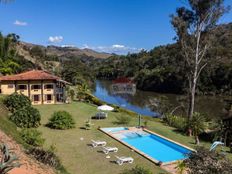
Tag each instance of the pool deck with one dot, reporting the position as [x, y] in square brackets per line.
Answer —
[134, 129]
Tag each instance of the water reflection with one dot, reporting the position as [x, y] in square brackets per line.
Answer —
[151, 103]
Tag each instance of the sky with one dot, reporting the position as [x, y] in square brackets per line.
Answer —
[115, 26]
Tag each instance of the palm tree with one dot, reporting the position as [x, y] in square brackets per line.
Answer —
[197, 124]
[8, 54]
[180, 168]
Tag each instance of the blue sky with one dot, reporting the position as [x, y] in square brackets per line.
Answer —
[104, 25]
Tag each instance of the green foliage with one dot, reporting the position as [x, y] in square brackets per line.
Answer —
[145, 123]
[45, 156]
[88, 124]
[8, 161]
[176, 121]
[16, 101]
[162, 69]
[48, 157]
[181, 167]
[76, 72]
[137, 170]
[26, 117]
[32, 137]
[61, 120]
[197, 123]
[8, 64]
[205, 161]
[123, 119]
[92, 99]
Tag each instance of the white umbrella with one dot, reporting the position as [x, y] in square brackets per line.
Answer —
[105, 108]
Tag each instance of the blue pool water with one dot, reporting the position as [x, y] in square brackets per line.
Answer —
[115, 129]
[154, 146]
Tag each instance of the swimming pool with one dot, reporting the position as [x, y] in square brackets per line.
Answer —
[150, 145]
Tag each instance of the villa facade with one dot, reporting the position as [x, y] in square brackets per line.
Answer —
[40, 86]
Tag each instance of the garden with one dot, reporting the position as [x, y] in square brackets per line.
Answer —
[57, 135]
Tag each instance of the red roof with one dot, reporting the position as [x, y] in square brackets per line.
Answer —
[30, 75]
[122, 80]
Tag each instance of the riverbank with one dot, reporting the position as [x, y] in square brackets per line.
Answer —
[150, 103]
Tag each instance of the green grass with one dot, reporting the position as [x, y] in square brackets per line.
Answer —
[78, 157]
[9, 127]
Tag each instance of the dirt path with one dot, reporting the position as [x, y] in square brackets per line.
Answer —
[29, 165]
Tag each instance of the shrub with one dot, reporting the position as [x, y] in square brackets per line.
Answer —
[45, 156]
[8, 160]
[92, 99]
[48, 157]
[16, 101]
[122, 119]
[137, 170]
[26, 117]
[176, 121]
[32, 137]
[205, 161]
[61, 120]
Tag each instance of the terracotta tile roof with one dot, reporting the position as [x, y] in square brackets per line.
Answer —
[30, 75]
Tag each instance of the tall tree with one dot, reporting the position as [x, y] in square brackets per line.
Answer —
[8, 65]
[193, 26]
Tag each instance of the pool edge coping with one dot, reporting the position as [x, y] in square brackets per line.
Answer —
[145, 155]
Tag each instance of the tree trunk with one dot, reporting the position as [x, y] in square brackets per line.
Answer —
[191, 106]
[193, 82]
[197, 141]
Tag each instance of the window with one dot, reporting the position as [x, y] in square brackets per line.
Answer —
[35, 87]
[22, 87]
[48, 97]
[36, 98]
[10, 86]
[48, 86]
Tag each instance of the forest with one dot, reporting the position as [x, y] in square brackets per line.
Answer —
[161, 70]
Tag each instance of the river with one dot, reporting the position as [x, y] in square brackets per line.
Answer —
[151, 103]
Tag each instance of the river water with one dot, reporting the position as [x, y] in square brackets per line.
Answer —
[151, 103]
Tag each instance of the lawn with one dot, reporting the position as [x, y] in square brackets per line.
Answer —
[76, 154]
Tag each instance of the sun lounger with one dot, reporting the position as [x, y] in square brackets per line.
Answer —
[123, 159]
[215, 144]
[98, 143]
[106, 150]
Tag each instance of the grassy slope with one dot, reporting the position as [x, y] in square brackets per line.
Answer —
[78, 157]
[7, 126]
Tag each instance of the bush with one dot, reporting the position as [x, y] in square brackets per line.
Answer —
[48, 157]
[137, 170]
[205, 161]
[32, 137]
[16, 101]
[92, 99]
[122, 119]
[176, 121]
[45, 156]
[61, 120]
[26, 117]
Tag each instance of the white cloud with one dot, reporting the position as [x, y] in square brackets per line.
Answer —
[68, 46]
[55, 39]
[20, 23]
[116, 48]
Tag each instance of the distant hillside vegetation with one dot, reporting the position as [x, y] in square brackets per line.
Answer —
[160, 69]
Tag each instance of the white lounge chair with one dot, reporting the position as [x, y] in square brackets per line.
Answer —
[123, 159]
[106, 150]
[215, 144]
[98, 143]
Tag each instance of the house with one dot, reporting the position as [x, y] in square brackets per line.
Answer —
[40, 86]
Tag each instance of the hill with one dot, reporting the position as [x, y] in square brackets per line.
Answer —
[160, 69]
